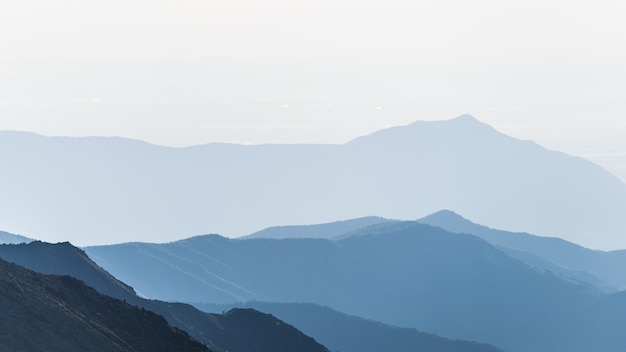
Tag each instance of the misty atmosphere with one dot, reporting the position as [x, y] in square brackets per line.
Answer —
[312, 176]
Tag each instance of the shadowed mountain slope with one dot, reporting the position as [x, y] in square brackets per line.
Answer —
[402, 273]
[248, 330]
[214, 330]
[603, 269]
[141, 192]
[65, 259]
[59, 313]
[237, 330]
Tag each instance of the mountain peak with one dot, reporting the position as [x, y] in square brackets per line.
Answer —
[449, 220]
[465, 117]
[445, 214]
[462, 121]
[461, 130]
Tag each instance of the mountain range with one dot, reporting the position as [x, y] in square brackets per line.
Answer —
[439, 283]
[349, 333]
[603, 269]
[238, 330]
[405, 274]
[60, 313]
[109, 190]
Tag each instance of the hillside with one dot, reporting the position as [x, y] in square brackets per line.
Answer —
[65, 259]
[136, 191]
[600, 268]
[405, 274]
[231, 331]
[248, 330]
[59, 313]
[347, 333]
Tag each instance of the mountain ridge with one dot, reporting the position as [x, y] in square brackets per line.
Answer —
[326, 230]
[405, 274]
[145, 193]
[9, 238]
[230, 330]
[60, 313]
[221, 332]
[608, 267]
[348, 333]
[467, 118]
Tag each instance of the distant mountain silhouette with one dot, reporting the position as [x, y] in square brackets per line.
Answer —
[329, 230]
[346, 333]
[107, 190]
[9, 238]
[602, 269]
[59, 313]
[236, 331]
[401, 273]
[605, 270]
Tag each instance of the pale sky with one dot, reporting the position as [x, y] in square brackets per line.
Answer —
[189, 71]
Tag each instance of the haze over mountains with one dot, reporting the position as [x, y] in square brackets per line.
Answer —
[554, 298]
[605, 270]
[348, 333]
[395, 279]
[239, 330]
[108, 190]
[401, 273]
[60, 313]
[329, 230]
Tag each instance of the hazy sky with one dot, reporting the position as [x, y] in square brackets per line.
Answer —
[190, 71]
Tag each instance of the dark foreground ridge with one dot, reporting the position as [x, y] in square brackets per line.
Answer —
[60, 313]
[239, 330]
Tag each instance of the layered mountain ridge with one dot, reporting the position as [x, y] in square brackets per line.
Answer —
[349, 333]
[60, 313]
[604, 269]
[237, 330]
[405, 274]
[141, 192]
